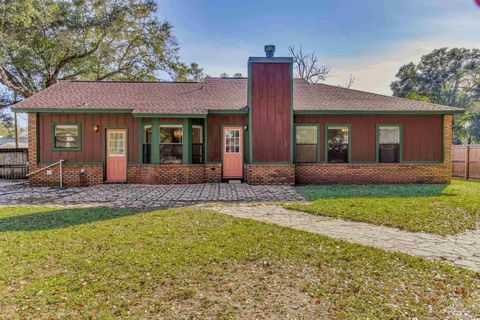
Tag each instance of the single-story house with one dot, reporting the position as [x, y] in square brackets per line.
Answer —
[268, 128]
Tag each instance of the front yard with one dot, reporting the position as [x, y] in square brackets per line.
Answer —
[440, 209]
[181, 263]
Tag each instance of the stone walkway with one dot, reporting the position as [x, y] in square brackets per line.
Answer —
[145, 196]
[461, 249]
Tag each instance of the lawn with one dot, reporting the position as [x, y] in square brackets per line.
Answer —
[440, 209]
[190, 263]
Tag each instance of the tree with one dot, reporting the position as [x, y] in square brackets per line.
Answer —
[349, 83]
[450, 77]
[237, 75]
[6, 119]
[44, 41]
[307, 66]
[190, 73]
[223, 75]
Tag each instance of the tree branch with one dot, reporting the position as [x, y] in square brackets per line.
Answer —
[9, 80]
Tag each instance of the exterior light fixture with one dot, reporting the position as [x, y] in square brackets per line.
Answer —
[96, 128]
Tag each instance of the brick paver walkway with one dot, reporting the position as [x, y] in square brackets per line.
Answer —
[146, 196]
[461, 249]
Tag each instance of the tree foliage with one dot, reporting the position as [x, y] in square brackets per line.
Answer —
[44, 41]
[449, 77]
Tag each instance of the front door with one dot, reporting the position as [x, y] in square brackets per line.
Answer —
[116, 155]
[232, 152]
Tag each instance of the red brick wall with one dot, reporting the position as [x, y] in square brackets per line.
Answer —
[271, 174]
[324, 173]
[174, 173]
[371, 173]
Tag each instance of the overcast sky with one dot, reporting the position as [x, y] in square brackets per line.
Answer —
[370, 39]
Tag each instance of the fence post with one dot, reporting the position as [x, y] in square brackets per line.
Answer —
[467, 161]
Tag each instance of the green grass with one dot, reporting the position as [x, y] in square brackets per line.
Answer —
[185, 263]
[440, 209]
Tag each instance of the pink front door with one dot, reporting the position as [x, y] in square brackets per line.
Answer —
[232, 152]
[116, 155]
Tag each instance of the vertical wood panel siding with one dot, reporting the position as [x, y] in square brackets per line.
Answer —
[271, 112]
[422, 134]
[92, 143]
[214, 134]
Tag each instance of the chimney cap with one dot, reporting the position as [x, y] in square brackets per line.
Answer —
[269, 50]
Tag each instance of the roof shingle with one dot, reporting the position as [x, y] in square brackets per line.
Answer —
[213, 94]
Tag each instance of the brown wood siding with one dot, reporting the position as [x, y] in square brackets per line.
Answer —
[92, 142]
[422, 135]
[214, 134]
[271, 112]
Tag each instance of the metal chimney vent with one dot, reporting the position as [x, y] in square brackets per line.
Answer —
[269, 50]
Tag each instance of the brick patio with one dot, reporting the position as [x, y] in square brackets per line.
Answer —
[145, 196]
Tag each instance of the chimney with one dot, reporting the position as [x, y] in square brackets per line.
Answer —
[270, 105]
[269, 50]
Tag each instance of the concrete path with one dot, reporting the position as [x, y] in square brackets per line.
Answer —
[461, 249]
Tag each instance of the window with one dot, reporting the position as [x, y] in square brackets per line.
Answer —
[66, 136]
[116, 144]
[338, 137]
[306, 143]
[147, 144]
[171, 143]
[197, 144]
[232, 141]
[389, 143]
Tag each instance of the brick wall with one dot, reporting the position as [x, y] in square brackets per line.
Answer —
[270, 174]
[174, 173]
[381, 173]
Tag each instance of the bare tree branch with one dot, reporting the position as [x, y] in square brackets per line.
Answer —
[349, 83]
[307, 65]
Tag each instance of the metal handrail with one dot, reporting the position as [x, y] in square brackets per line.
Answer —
[59, 162]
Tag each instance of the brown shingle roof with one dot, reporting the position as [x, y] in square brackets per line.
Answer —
[213, 94]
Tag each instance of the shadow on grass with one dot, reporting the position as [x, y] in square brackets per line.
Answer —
[54, 219]
[380, 190]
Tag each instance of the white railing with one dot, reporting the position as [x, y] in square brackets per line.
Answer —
[59, 162]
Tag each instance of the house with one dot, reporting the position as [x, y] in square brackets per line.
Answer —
[268, 128]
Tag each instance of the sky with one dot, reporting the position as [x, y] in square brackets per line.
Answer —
[369, 39]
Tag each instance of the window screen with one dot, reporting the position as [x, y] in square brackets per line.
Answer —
[306, 147]
[171, 143]
[67, 136]
[197, 144]
[389, 144]
[147, 144]
[337, 144]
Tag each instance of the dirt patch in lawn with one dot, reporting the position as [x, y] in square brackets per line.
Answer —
[252, 290]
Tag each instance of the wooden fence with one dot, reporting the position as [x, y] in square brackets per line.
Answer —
[466, 161]
[13, 163]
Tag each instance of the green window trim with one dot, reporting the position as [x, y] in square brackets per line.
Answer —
[79, 128]
[377, 141]
[318, 159]
[325, 139]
